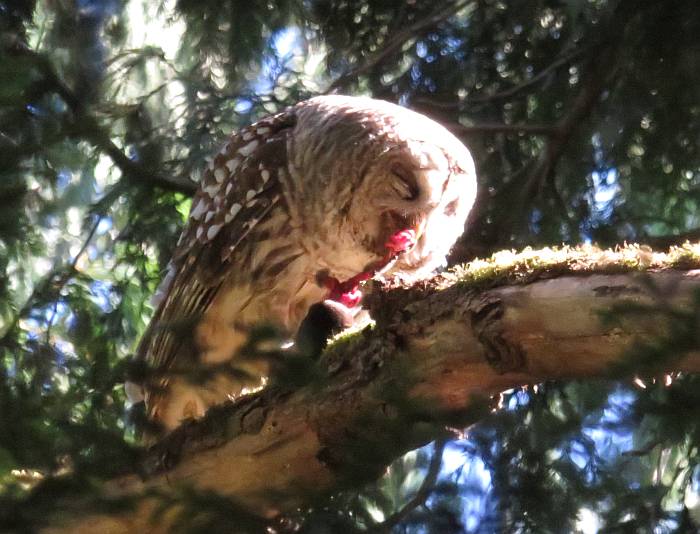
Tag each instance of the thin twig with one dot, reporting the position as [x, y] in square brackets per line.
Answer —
[69, 270]
[91, 131]
[597, 79]
[512, 91]
[397, 41]
[535, 129]
[55, 280]
[506, 93]
[426, 488]
[644, 450]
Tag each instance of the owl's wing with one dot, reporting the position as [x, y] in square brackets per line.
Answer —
[238, 190]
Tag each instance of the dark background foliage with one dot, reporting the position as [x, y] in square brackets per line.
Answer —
[584, 120]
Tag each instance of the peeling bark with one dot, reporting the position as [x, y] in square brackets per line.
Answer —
[437, 353]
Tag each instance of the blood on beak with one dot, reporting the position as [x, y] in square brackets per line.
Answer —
[401, 241]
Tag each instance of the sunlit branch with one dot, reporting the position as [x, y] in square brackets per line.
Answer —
[643, 451]
[446, 347]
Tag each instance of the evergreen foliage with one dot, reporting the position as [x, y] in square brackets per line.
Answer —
[584, 120]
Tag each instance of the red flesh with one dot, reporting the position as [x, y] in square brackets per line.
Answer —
[348, 292]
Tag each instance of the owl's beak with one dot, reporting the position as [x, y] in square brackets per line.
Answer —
[420, 228]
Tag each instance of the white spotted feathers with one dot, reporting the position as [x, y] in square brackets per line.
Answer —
[238, 188]
[294, 195]
[238, 185]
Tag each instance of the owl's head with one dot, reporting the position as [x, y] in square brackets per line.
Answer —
[384, 170]
[425, 185]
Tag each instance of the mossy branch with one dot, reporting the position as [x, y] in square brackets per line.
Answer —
[438, 353]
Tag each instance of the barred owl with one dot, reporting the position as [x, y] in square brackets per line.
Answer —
[299, 207]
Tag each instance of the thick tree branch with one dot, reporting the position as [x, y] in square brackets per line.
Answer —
[438, 351]
[603, 64]
[580, 108]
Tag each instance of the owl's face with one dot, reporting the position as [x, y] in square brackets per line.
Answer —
[417, 187]
[370, 171]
